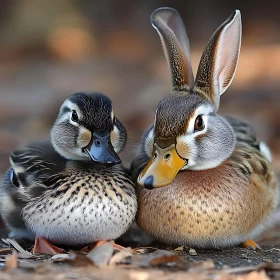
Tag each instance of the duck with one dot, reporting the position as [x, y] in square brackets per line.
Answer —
[72, 189]
[203, 180]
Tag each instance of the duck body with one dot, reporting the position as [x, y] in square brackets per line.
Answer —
[213, 208]
[204, 180]
[69, 201]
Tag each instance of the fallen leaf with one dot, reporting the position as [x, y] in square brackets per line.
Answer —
[165, 260]
[11, 261]
[101, 255]
[192, 252]
[60, 257]
[180, 248]
[143, 250]
[75, 259]
[120, 256]
[12, 242]
[25, 255]
[159, 258]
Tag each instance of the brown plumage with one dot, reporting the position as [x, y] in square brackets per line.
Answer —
[215, 207]
[208, 181]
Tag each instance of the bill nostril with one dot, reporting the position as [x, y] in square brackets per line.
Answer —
[167, 156]
[97, 143]
[148, 184]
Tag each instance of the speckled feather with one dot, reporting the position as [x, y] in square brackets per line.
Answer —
[72, 202]
[216, 207]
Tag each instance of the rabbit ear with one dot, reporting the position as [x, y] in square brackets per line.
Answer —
[219, 61]
[173, 36]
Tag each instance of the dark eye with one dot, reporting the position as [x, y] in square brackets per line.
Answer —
[198, 124]
[74, 117]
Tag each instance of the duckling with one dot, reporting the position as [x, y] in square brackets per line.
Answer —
[205, 180]
[71, 190]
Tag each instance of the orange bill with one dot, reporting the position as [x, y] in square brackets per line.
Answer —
[162, 168]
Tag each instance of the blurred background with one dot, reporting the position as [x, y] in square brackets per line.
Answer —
[51, 49]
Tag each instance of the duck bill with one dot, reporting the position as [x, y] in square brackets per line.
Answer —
[162, 168]
[101, 150]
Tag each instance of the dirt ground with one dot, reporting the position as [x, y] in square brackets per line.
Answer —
[149, 261]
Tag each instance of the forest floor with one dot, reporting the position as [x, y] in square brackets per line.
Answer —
[153, 261]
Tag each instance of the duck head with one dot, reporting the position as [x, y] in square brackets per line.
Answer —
[86, 129]
[188, 133]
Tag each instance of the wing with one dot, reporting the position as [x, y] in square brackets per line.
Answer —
[244, 132]
[35, 168]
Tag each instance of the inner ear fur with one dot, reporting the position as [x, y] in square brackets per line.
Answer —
[218, 63]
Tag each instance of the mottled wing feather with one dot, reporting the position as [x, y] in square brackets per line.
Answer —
[244, 132]
[249, 158]
[36, 165]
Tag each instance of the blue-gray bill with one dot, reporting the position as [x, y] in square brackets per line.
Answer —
[102, 151]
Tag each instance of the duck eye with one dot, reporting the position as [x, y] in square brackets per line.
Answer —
[74, 117]
[198, 124]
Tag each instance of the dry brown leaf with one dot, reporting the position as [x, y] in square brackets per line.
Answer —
[180, 248]
[11, 261]
[76, 259]
[172, 260]
[159, 258]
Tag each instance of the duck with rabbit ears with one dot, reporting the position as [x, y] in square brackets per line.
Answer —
[207, 180]
[71, 190]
